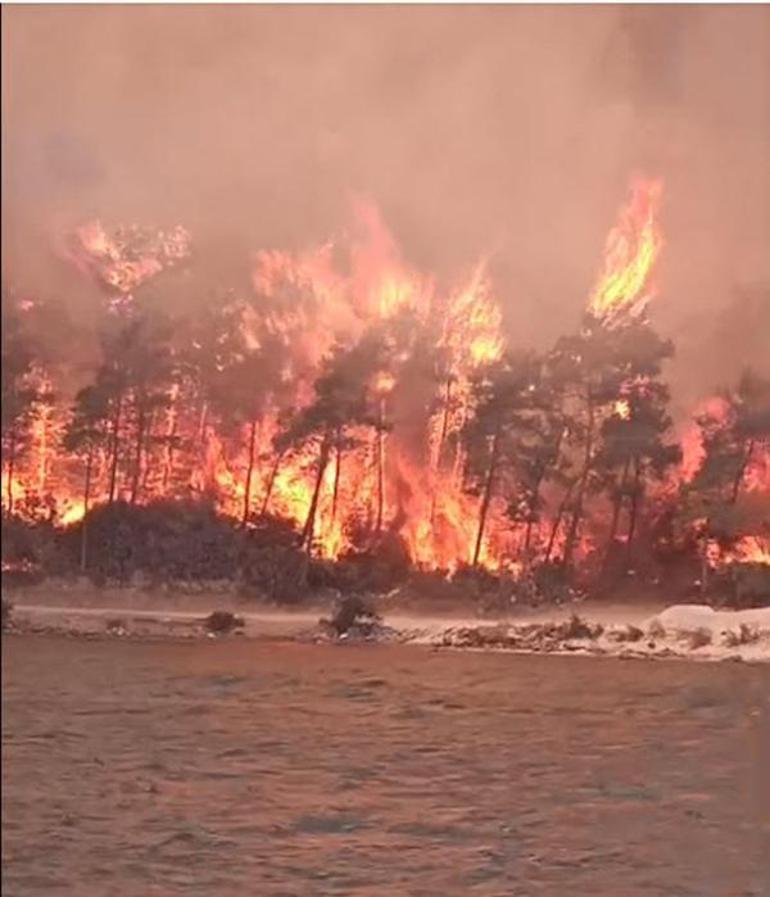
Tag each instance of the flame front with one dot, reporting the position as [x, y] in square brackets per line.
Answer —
[401, 468]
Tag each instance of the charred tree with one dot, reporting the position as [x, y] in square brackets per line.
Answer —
[307, 530]
[115, 448]
[249, 473]
[487, 494]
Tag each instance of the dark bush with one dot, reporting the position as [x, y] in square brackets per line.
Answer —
[27, 545]
[221, 622]
[165, 540]
[380, 567]
[750, 585]
[352, 611]
[578, 628]
[741, 586]
[551, 583]
[272, 564]
[436, 586]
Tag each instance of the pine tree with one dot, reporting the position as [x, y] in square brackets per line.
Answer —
[22, 394]
[345, 396]
[716, 503]
[87, 434]
[505, 401]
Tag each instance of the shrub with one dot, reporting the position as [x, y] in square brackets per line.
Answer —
[272, 563]
[749, 585]
[577, 627]
[165, 540]
[26, 546]
[378, 568]
[221, 622]
[352, 611]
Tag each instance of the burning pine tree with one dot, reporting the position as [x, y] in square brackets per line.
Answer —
[346, 396]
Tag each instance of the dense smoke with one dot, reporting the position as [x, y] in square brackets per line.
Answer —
[509, 131]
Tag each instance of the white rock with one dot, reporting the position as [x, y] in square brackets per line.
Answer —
[689, 617]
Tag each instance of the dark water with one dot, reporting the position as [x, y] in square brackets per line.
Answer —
[241, 768]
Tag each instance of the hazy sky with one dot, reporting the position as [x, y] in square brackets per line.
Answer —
[506, 129]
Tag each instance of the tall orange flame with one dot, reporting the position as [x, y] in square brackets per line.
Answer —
[632, 247]
[309, 302]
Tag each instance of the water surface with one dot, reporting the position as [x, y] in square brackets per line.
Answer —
[286, 770]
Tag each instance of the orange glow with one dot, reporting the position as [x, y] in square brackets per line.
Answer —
[631, 250]
[72, 514]
[126, 258]
[753, 549]
[16, 485]
[622, 409]
[333, 306]
[384, 383]
[378, 477]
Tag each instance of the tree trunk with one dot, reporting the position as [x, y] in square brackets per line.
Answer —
[202, 421]
[534, 502]
[617, 503]
[381, 469]
[536, 496]
[636, 497]
[11, 468]
[249, 473]
[271, 483]
[144, 479]
[487, 495]
[307, 531]
[141, 425]
[569, 545]
[84, 523]
[444, 421]
[440, 449]
[169, 466]
[115, 448]
[704, 564]
[337, 467]
[557, 523]
[741, 472]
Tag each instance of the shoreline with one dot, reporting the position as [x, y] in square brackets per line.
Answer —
[683, 632]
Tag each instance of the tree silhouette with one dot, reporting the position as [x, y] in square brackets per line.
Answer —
[505, 400]
[22, 392]
[733, 441]
[87, 433]
[345, 395]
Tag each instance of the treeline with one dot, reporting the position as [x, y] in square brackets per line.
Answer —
[562, 464]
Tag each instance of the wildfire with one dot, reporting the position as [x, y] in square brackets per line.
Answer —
[630, 253]
[73, 513]
[622, 409]
[747, 550]
[753, 549]
[473, 322]
[434, 516]
[384, 383]
[126, 258]
[378, 475]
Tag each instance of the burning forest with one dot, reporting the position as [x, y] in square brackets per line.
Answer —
[347, 412]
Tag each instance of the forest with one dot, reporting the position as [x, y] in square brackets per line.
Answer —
[345, 423]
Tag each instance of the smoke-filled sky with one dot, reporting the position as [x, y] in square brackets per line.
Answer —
[511, 131]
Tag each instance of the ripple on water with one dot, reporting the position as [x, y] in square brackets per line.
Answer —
[230, 769]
